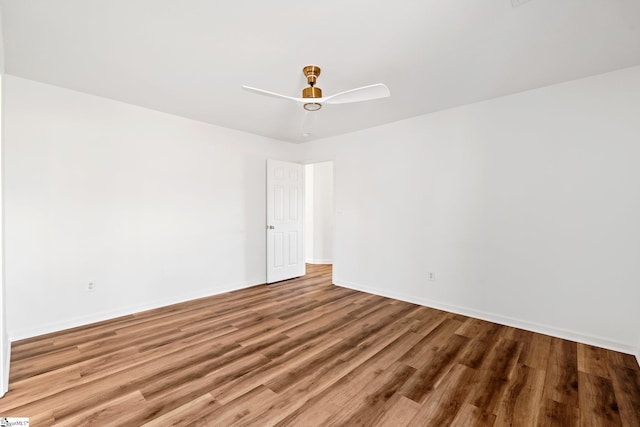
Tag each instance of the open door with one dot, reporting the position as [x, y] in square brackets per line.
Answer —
[285, 220]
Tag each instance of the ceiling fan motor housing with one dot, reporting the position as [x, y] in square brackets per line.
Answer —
[312, 92]
[311, 72]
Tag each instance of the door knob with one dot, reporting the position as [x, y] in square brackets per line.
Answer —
[270, 227]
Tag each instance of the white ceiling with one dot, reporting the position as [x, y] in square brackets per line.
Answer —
[190, 57]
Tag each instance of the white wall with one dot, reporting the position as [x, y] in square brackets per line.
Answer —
[5, 345]
[319, 213]
[526, 208]
[4, 340]
[323, 213]
[151, 208]
[308, 213]
[1, 44]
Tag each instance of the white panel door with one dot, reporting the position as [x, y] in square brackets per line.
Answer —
[285, 222]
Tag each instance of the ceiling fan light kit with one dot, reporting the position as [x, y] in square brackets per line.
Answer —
[312, 99]
[312, 106]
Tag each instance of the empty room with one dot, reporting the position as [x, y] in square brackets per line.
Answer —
[413, 213]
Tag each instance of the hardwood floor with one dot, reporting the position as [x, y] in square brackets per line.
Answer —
[303, 353]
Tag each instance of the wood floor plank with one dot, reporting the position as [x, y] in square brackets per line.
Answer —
[399, 411]
[39, 387]
[304, 352]
[44, 363]
[347, 382]
[561, 382]
[176, 400]
[113, 412]
[626, 384]
[268, 372]
[319, 322]
[434, 369]
[350, 340]
[252, 403]
[383, 348]
[195, 379]
[442, 406]
[367, 408]
[597, 402]
[520, 404]
[555, 414]
[593, 360]
[536, 353]
[427, 347]
[535, 347]
[484, 337]
[622, 359]
[471, 416]
[188, 414]
[494, 375]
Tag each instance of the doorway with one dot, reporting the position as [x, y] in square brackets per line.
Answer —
[319, 213]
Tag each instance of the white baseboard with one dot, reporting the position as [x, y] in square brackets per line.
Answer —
[4, 387]
[20, 334]
[497, 318]
[319, 261]
[638, 355]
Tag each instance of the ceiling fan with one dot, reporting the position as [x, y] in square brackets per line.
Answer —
[312, 99]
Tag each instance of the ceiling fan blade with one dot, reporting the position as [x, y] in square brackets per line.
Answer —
[271, 94]
[365, 93]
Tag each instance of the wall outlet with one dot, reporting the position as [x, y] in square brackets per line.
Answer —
[432, 276]
[91, 287]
